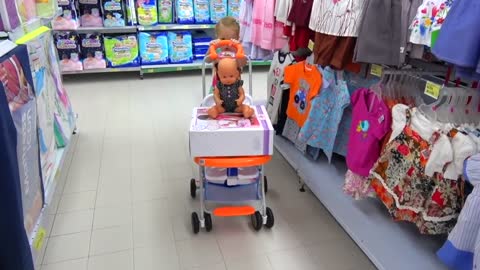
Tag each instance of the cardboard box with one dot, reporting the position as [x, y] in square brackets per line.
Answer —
[230, 134]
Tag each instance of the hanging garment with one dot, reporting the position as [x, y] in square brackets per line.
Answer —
[334, 51]
[357, 186]
[282, 9]
[462, 249]
[379, 36]
[320, 129]
[409, 11]
[371, 121]
[464, 53]
[299, 37]
[300, 13]
[290, 131]
[430, 16]
[337, 17]
[305, 82]
[266, 31]
[275, 81]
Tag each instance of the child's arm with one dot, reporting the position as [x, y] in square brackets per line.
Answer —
[216, 96]
[241, 96]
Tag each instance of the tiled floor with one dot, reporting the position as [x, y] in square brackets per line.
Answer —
[125, 204]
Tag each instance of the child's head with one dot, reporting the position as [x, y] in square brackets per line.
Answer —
[227, 28]
[227, 71]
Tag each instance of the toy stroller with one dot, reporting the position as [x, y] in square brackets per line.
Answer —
[237, 183]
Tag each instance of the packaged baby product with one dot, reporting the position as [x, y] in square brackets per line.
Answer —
[121, 51]
[90, 15]
[180, 47]
[202, 11]
[218, 10]
[113, 13]
[131, 13]
[165, 11]
[153, 48]
[234, 8]
[147, 12]
[46, 8]
[92, 51]
[184, 11]
[68, 47]
[68, 20]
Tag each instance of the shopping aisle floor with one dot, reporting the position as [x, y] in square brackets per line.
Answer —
[126, 205]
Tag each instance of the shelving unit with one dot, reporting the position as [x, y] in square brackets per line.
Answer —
[389, 245]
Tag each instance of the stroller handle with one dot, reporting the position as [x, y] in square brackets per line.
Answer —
[239, 54]
[204, 83]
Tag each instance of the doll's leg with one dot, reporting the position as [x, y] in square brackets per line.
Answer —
[214, 111]
[245, 110]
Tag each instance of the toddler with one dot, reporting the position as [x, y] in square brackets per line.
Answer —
[226, 29]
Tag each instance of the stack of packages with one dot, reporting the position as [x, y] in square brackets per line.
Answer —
[201, 43]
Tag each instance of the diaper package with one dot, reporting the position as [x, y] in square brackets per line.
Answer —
[113, 13]
[180, 47]
[218, 10]
[234, 8]
[165, 11]
[68, 47]
[184, 11]
[92, 51]
[202, 11]
[147, 12]
[90, 14]
[121, 50]
[153, 48]
[68, 20]
[131, 13]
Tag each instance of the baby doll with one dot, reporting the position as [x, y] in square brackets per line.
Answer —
[228, 93]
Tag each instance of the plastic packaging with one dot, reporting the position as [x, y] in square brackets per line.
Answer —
[90, 14]
[68, 47]
[92, 51]
[153, 48]
[165, 11]
[184, 11]
[147, 12]
[202, 11]
[113, 13]
[180, 47]
[218, 10]
[121, 50]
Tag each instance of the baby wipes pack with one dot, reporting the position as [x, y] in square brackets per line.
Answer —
[121, 51]
[153, 48]
[147, 12]
[180, 47]
[218, 10]
[184, 11]
[202, 11]
[165, 11]
[113, 13]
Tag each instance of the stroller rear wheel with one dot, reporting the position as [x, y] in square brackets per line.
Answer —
[257, 221]
[193, 188]
[270, 218]
[208, 221]
[195, 223]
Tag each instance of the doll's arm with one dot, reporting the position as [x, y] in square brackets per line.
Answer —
[241, 96]
[216, 96]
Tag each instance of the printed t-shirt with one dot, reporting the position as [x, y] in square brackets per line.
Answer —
[367, 129]
[305, 82]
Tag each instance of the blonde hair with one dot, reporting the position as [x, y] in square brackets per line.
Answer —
[229, 22]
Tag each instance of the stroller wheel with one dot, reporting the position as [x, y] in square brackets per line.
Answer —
[195, 223]
[265, 182]
[257, 221]
[193, 188]
[270, 218]
[208, 222]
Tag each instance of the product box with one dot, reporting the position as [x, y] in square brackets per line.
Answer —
[230, 134]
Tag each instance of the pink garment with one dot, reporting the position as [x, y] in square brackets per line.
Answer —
[371, 121]
[266, 31]
[358, 186]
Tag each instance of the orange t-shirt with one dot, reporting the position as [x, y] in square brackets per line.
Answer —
[305, 83]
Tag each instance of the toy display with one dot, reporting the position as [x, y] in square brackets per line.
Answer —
[68, 20]
[92, 51]
[121, 51]
[90, 15]
[147, 12]
[68, 47]
[153, 48]
[113, 13]
[184, 11]
[229, 94]
[218, 10]
[180, 47]
[165, 11]
[202, 11]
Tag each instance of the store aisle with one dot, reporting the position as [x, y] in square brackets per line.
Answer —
[125, 204]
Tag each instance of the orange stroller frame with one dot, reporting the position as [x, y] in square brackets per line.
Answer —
[235, 200]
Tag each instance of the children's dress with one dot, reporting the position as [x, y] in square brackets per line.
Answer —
[229, 94]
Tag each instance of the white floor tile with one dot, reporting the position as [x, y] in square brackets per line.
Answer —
[149, 190]
[198, 252]
[73, 222]
[110, 240]
[259, 262]
[80, 264]
[67, 247]
[77, 201]
[114, 261]
[112, 216]
[293, 259]
[151, 258]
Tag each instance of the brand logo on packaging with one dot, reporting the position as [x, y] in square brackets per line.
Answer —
[66, 44]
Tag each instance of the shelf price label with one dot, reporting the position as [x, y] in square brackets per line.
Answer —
[39, 238]
[376, 70]
[432, 90]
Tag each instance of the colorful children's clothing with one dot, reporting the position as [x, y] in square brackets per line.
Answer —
[357, 186]
[290, 131]
[266, 31]
[371, 121]
[275, 81]
[305, 81]
[229, 94]
[430, 17]
[320, 129]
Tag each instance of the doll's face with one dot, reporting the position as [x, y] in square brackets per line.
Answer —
[228, 71]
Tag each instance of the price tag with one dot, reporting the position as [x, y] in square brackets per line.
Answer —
[311, 44]
[376, 70]
[179, 68]
[141, 28]
[432, 89]
[38, 241]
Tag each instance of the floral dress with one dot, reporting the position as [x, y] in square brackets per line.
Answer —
[399, 179]
[429, 19]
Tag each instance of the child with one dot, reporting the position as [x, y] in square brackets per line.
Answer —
[226, 29]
